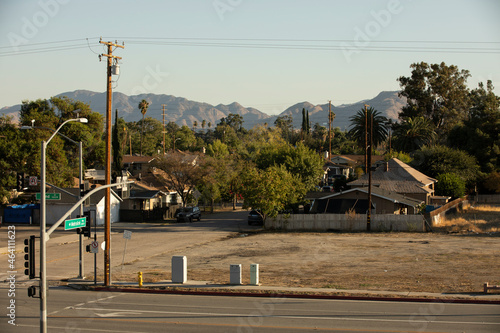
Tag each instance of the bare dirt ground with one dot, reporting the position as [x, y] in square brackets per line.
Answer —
[456, 259]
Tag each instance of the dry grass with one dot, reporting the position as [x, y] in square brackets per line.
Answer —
[478, 219]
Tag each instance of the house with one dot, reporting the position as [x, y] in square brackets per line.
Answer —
[149, 199]
[398, 177]
[345, 165]
[137, 165]
[355, 200]
[57, 208]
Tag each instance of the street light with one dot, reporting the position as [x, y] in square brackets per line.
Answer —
[43, 222]
[80, 179]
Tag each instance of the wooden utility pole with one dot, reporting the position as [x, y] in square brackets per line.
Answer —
[369, 216]
[163, 109]
[330, 130]
[107, 169]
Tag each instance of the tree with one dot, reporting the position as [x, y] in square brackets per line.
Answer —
[117, 149]
[492, 182]
[300, 161]
[479, 135]
[358, 121]
[285, 124]
[437, 160]
[437, 92]
[182, 172]
[151, 139]
[143, 107]
[450, 184]
[413, 133]
[271, 191]
[235, 121]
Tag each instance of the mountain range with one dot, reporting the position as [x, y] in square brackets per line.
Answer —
[186, 112]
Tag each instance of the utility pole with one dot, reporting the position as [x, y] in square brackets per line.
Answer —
[369, 169]
[366, 138]
[107, 171]
[163, 109]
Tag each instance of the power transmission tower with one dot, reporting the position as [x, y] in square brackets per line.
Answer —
[107, 170]
[331, 117]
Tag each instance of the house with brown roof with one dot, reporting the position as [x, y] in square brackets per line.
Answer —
[137, 165]
[398, 177]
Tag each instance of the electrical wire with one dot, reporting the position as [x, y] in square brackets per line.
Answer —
[444, 46]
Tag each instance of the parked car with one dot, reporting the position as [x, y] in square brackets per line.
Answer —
[188, 214]
[255, 217]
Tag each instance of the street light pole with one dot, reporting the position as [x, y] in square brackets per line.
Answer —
[43, 223]
[80, 181]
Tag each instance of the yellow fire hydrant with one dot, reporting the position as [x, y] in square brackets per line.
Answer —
[139, 278]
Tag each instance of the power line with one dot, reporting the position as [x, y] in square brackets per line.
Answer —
[445, 46]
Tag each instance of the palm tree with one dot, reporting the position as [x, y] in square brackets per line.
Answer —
[413, 133]
[143, 106]
[358, 121]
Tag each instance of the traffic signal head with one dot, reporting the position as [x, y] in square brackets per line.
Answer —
[29, 256]
[20, 181]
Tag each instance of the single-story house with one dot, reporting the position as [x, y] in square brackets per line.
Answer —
[356, 200]
[398, 177]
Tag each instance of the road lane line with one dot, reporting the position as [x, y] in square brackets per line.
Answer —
[293, 317]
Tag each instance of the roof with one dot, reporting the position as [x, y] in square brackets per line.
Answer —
[396, 176]
[145, 194]
[378, 192]
[137, 159]
[357, 159]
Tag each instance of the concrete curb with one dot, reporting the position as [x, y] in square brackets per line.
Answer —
[284, 294]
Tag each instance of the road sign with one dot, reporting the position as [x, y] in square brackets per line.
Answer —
[75, 223]
[49, 196]
[94, 247]
[33, 181]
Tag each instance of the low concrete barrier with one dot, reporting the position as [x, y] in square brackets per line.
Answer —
[344, 222]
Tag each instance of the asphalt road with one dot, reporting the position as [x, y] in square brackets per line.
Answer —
[147, 240]
[87, 311]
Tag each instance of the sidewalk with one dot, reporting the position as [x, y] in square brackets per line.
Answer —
[206, 288]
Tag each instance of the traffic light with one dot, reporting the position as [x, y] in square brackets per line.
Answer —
[20, 181]
[29, 249]
[85, 230]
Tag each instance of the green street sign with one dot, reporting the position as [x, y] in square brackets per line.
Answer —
[75, 223]
[49, 196]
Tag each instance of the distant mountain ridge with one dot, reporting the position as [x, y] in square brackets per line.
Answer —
[185, 112]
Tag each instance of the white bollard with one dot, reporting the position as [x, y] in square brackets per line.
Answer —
[235, 274]
[179, 269]
[254, 274]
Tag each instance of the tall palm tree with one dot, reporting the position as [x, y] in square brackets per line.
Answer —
[358, 121]
[143, 106]
[413, 133]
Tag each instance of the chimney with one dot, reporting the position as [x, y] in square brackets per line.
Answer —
[386, 168]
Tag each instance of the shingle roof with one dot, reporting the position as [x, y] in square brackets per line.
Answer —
[399, 177]
[379, 192]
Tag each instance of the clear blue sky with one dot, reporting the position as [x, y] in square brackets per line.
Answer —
[275, 53]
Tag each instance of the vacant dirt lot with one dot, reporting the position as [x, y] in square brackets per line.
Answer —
[457, 262]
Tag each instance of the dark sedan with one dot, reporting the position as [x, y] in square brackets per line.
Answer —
[255, 217]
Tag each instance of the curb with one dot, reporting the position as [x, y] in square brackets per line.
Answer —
[289, 295]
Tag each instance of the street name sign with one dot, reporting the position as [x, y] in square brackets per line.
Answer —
[75, 223]
[49, 196]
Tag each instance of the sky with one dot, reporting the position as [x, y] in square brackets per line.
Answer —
[266, 54]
